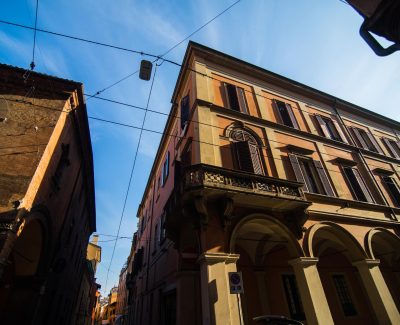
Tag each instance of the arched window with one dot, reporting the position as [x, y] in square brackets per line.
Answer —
[246, 152]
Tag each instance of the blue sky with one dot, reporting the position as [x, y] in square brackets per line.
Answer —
[313, 42]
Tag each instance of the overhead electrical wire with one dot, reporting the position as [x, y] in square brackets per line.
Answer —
[266, 156]
[131, 174]
[156, 57]
[107, 235]
[170, 49]
[87, 41]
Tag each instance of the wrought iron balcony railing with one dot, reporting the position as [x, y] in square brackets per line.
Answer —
[198, 176]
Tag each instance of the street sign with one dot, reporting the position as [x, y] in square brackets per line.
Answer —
[235, 282]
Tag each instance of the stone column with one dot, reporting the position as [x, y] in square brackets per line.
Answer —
[311, 291]
[188, 298]
[378, 292]
[219, 307]
[262, 292]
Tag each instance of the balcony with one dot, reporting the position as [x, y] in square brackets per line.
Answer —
[246, 189]
[202, 192]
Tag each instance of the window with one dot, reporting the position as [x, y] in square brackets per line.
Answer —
[330, 128]
[168, 308]
[185, 108]
[293, 297]
[312, 174]
[357, 185]
[246, 152]
[138, 261]
[366, 140]
[156, 237]
[393, 147]
[186, 155]
[392, 188]
[165, 170]
[235, 98]
[344, 296]
[162, 232]
[142, 223]
[286, 113]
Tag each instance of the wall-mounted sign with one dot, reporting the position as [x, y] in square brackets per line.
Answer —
[235, 282]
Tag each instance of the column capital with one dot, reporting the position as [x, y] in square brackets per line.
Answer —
[367, 262]
[304, 261]
[213, 258]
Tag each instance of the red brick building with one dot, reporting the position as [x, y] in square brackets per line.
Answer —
[47, 208]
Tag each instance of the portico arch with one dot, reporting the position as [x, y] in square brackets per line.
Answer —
[265, 232]
[29, 259]
[266, 246]
[338, 251]
[28, 249]
[324, 235]
[384, 245]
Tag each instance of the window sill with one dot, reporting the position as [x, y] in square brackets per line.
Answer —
[350, 203]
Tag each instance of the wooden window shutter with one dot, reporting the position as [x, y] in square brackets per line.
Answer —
[324, 178]
[231, 97]
[323, 127]
[393, 189]
[339, 130]
[244, 156]
[374, 143]
[160, 225]
[242, 100]
[360, 139]
[390, 148]
[226, 93]
[296, 168]
[155, 240]
[167, 165]
[184, 111]
[256, 159]
[363, 186]
[292, 117]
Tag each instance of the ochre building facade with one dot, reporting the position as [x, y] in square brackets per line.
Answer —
[295, 188]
